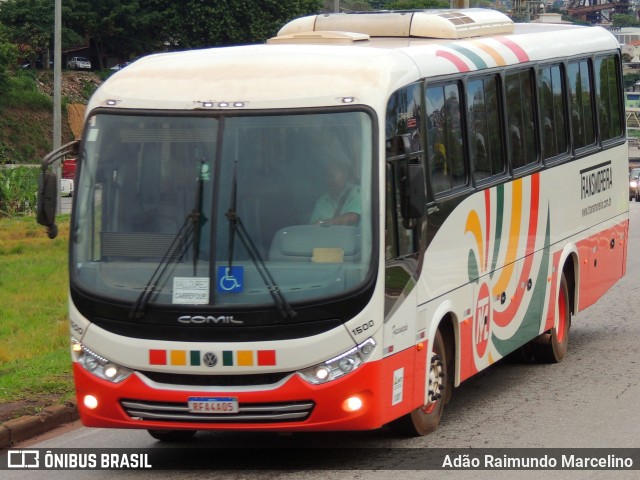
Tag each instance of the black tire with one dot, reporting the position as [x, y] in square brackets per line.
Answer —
[425, 419]
[551, 347]
[637, 196]
[172, 435]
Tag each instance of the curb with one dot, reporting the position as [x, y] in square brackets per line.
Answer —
[29, 426]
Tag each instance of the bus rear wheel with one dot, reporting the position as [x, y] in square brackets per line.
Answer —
[551, 347]
[425, 419]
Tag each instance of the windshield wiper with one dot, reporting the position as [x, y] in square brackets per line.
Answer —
[236, 226]
[174, 253]
[189, 234]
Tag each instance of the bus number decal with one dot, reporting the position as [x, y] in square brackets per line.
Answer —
[481, 321]
[360, 329]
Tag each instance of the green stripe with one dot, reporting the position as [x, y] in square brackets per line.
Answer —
[498, 232]
[532, 320]
[195, 358]
[474, 57]
[227, 358]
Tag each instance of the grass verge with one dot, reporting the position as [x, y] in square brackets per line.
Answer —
[34, 331]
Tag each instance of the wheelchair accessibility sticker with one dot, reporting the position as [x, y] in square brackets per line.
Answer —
[230, 279]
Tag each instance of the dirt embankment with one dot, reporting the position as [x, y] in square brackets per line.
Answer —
[75, 115]
[76, 88]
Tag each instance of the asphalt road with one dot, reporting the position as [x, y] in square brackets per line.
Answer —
[589, 400]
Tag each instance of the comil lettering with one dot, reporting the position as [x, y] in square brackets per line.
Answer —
[209, 319]
[596, 180]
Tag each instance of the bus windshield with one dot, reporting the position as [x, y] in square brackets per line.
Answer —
[223, 210]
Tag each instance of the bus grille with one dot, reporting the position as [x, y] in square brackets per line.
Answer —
[216, 380]
[248, 412]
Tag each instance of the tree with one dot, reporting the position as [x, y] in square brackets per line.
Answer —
[8, 56]
[29, 24]
[225, 23]
[623, 20]
[416, 4]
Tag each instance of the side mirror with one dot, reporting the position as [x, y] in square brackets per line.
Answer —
[412, 184]
[48, 202]
[48, 188]
[413, 192]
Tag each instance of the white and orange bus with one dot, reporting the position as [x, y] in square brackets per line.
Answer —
[333, 230]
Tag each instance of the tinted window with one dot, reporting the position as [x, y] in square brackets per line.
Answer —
[520, 118]
[581, 104]
[552, 106]
[485, 140]
[445, 140]
[607, 88]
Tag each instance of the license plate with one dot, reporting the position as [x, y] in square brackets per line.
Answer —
[213, 405]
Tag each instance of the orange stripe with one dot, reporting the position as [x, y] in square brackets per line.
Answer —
[178, 357]
[514, 234]
[473, 226]
[492, 52]
[245, 358]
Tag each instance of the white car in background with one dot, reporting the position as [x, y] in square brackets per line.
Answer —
[79, 63]
[66, 187]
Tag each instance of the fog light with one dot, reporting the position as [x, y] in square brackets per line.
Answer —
[352, 404]
[90, 402]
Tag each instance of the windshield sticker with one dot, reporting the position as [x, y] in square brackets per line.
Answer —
[230, 279]
[191, 290]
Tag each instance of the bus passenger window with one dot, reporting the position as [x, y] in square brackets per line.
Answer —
[445, 151]
[520, 118]
[552, 106]
[484, 128]
[403, 144]
[608, 95]
[581, 104]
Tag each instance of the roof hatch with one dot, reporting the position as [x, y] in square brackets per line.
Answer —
[445, 24]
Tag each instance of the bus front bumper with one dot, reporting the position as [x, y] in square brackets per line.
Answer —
[133, 403]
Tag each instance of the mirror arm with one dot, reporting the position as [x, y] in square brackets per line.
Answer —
[50, 158]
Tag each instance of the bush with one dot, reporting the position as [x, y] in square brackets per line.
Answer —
[18, 190]
[22, 91]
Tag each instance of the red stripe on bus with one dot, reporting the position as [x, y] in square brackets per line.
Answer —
[457, 61]
[515, 48]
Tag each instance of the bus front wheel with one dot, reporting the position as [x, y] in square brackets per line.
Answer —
[425, 419]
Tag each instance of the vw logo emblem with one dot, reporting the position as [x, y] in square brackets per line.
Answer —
[210, 359]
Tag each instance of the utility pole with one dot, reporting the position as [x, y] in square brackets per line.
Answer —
[57, 91]
[336, 6]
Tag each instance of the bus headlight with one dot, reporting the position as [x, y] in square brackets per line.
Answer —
[98, 365]
[340, 365]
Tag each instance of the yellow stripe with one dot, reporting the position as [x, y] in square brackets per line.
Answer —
[514, 235]
[493, 53]
[245, 358]
[178, 357]
[473, 226]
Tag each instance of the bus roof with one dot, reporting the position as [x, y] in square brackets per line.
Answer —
[360, 66]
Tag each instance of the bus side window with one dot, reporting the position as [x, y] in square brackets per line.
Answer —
[520, 117]
[552, 108]
[445, 142]
[403, 145]
[581, 104]
[608, 95]
[484, 127]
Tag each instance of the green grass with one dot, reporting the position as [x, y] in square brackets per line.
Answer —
[34, 331]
